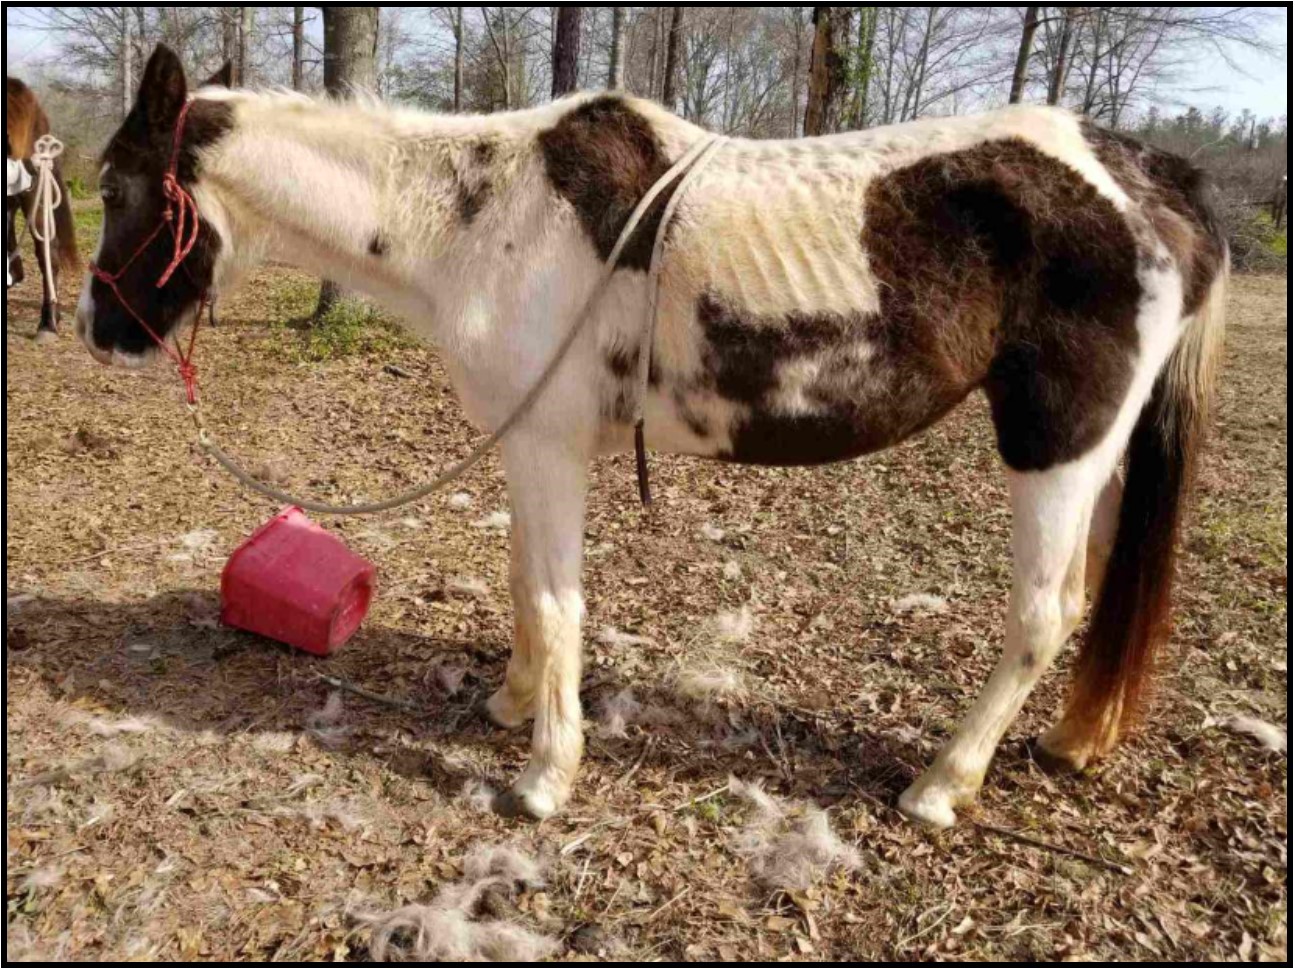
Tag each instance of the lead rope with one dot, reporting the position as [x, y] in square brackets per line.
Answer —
[687, 167]
[649, 325]
[47, 198]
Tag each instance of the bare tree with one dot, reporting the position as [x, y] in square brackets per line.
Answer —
[1023, 55]
[127, 64]
[350, 63]
[669, 93]
[566, 50]
[298, 48]
[1059, 51]
[828, 71]
[616, 66]
[865, 64]
[458, 58]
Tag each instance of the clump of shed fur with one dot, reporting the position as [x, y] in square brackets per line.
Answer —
[789, 846]
[449, 928]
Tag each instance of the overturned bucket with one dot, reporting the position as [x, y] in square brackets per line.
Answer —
[297, 584]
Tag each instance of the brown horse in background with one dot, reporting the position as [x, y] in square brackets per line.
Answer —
[25, 124]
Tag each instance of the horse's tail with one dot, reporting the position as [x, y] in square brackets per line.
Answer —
[69, 258]
[1131, 620]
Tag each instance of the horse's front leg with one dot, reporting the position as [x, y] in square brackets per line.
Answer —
[47, 331]
[547, 482]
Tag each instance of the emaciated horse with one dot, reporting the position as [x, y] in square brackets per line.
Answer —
[821, 299]
[25, 124]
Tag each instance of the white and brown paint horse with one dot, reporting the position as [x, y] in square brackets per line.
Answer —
[822, 299]
[25, 124]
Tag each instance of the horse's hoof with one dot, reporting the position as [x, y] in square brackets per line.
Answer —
[525, 805]
[930, 808]
[45, 337]
[504, 712]
[1056, 761]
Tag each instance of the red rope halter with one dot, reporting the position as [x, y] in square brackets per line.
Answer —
[181, 217]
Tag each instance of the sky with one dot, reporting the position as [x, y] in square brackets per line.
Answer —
[1258, 83]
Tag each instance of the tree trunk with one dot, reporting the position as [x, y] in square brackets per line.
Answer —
[127, 58]
[566, 50]
[670, 91]
[246, 24]
[1022, 73]
[1061, 66]
[866, 63]
[298, 48]
[458, 59]
[616, 67]
[229, 43]
[350, 63]
[828, 71]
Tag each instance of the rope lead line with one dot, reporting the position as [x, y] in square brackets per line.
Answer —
[686, 168]
[48, 197]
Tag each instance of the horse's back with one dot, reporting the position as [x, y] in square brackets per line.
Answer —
[830, 297]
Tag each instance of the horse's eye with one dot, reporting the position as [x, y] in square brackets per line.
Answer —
[108, 193]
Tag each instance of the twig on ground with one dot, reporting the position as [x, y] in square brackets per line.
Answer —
[705, 797]
[389, 701]
[396, 371]
[647, 749]
[122, 550]
[1059, 849]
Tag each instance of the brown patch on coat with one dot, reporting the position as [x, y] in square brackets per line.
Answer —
[1003, 266]
[472, 199]
[1178, 201]
[998, 266]
[855, 404]
[25, 121]
[378, 245]
[603, 158]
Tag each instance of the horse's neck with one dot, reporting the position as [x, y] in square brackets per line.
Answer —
[371, 198]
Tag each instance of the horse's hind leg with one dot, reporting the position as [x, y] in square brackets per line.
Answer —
[1051, 515]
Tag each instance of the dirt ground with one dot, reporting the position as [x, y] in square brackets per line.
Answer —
[176, 790]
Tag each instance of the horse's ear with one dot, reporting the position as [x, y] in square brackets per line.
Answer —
[163, 90]
[223, 77]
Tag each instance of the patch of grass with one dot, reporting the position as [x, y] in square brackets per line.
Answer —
[78, 188]
[1227, 529]
[351, 328]
[88, 219]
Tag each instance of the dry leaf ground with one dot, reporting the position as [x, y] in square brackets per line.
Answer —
[176, 790]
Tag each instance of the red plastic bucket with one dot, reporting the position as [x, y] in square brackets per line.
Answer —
[295, 583]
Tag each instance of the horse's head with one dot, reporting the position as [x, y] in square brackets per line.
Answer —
[156, 151]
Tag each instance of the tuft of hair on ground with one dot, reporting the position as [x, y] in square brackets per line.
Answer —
[467, 587]
[788, 845]
[712, 672]
[620, 711]
[113, 759]
[454, 928]
[326, 725]
[500, 521]
[1268, 736]
[478, 796]
[103, 727]
[613, 638]
[921, 604]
